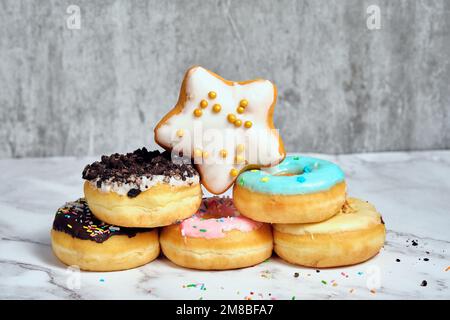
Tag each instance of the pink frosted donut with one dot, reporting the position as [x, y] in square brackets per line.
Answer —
[217, 237]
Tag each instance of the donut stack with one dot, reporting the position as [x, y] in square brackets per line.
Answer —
[137, 202]
[126, 197]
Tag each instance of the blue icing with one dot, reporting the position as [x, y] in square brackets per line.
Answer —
[309, 175]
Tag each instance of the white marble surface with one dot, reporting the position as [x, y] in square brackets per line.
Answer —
[411, 190]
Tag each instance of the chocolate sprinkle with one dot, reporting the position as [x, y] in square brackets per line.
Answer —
[76, 219]
[424, 283]
[128, 168]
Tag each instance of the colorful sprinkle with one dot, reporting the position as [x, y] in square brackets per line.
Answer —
[264, 179]
[234, 172]
[69, 226]
[324, 282]
[448, 268]
[212, 95]
[266, 274]
[243, 103]
[198, 112]
[301, 179]
[307, 169]
[296, 158]
[202, 230]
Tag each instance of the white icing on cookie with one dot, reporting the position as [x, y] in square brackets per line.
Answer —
[199, 126]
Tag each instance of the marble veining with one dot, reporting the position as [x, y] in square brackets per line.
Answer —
[409, 189]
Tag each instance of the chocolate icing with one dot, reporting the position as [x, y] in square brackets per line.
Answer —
[76, 219]
[127, 168]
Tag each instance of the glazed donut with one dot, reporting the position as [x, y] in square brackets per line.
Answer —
[217, 238]
[141, 189]
[78, 238]
[298, 190]
[354, 235]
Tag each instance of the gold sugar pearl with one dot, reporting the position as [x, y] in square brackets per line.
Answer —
[223, 153]
[197, 152]
[231, 118]
[198, 112]
[237, 123]
[240, 148]
[239, 159]
[203, 104]
[212, 95]
[217, 108]
[240, 109]
[248, 124]
[243, 103]
[205, 154]
[234, 172]
[180, 133]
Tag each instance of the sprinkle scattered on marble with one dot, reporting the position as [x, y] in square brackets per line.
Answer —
[266, 274]
[195, 285]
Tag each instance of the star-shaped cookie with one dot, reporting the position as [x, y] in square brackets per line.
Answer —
[224, 126]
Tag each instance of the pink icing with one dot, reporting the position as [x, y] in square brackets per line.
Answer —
[225, 218]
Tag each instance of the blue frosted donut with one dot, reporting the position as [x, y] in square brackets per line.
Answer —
[298, 190]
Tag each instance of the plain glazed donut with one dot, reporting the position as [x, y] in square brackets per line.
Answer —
[79, 239]
[298, 190]
[141, 189]
[217, 238]
[354, 235]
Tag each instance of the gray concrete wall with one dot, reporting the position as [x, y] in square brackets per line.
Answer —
[342, 88]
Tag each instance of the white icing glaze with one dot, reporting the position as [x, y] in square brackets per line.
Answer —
[212, 132]
[143, 183]
[358, 215]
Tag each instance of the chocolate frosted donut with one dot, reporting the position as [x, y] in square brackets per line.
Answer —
[141, 189]
[77, 220]
[79, 238]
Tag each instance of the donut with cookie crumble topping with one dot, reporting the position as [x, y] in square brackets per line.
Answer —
[142, 189]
